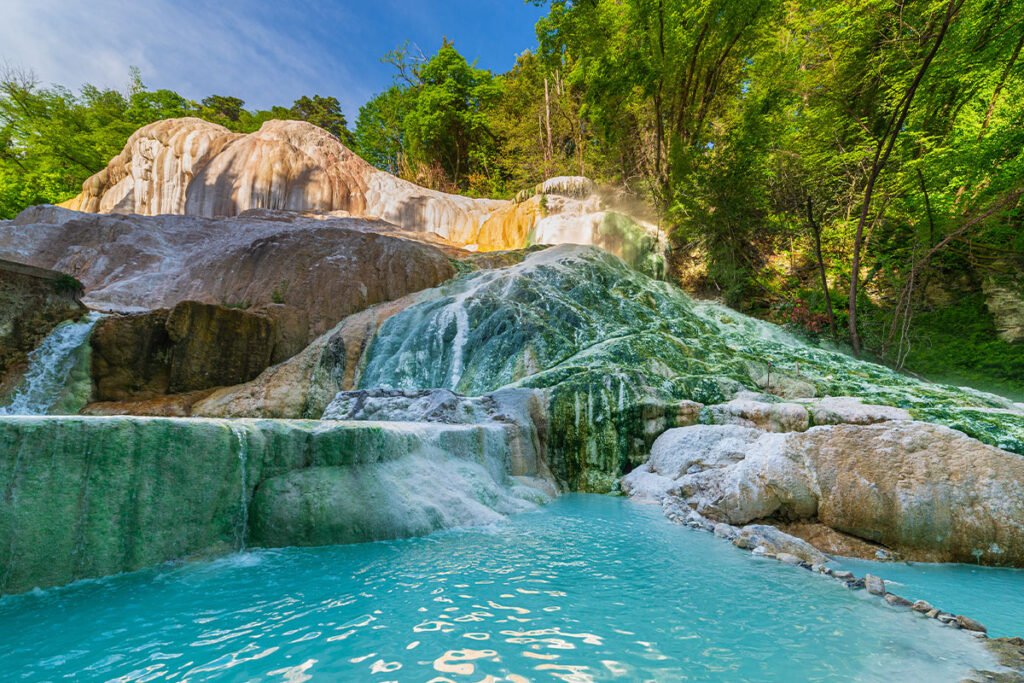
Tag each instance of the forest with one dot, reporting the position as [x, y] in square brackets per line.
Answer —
[853, 169]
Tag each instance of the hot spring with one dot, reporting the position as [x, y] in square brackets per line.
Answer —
[588, 588]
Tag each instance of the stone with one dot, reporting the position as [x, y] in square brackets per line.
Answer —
[928, 492]
[778, 543]
[842, 575]
[922, 606]
[947, 618]
[933, 613]
[787, 558]
[969, 624]
[897, 601]
[725, 531]
[874, 584]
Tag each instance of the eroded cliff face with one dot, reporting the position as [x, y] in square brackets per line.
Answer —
[188, 348]
[306, 273]
[1004, 296]
[192, 167]
[91, 496]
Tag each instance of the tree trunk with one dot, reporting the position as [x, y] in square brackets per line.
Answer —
[548, 151]
[816, 231]
[882, 152]
[1000, 85]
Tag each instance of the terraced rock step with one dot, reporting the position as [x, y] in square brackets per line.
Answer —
[90, 496]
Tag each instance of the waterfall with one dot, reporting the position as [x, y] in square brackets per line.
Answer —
[49, 367]
[242, 528]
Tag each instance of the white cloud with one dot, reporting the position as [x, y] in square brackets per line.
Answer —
[267, 53]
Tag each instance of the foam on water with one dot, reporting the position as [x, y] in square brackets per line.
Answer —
[590, 588]
[49, 367]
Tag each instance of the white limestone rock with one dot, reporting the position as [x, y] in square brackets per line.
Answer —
[929, 492]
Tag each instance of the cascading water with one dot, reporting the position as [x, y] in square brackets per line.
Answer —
[243, 504]
[49, 368]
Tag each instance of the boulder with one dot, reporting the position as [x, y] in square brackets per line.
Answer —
[969, 624]
[874, 584]
[778, 543]
[926, 491]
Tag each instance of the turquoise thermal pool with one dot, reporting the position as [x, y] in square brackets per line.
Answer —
[589, 588]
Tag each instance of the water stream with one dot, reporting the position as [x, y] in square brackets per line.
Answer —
[589, 588]
[50, 365]
[242, 527]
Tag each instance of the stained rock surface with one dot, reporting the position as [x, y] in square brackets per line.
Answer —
[187, 348]
[927, 491]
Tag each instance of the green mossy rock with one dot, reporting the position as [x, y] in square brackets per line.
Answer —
[91, 496]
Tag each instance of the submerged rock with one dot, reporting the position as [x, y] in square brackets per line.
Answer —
[874, 585]
[969, 624]
[927, 491]
[778, 543]
[922, 606]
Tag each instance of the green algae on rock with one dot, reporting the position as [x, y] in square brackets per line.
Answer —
[92, 496]
[609, 344]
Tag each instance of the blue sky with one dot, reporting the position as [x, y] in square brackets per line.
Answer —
[264, 51]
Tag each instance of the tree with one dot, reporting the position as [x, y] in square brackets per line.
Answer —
[324, 112]
[221, 107]
[433, 124]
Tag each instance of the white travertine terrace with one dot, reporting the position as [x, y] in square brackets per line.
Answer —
[192, 167]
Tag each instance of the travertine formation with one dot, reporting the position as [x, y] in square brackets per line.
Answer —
[304, 272]
[926, 491]
[196, 168]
